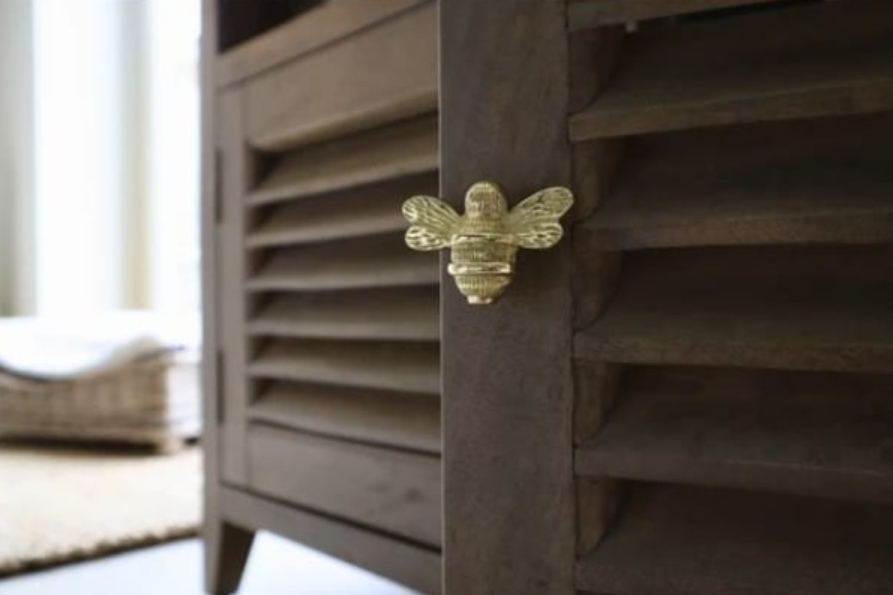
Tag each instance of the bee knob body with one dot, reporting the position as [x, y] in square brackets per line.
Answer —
[483, 268]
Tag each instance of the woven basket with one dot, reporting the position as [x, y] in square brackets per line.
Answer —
[154, 400]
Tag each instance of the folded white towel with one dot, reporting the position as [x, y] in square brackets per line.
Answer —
[77, 347]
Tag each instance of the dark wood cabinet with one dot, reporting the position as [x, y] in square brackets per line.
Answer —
[689, 395]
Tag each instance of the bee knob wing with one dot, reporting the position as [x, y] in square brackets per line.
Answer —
[432, 223]
[533, 223]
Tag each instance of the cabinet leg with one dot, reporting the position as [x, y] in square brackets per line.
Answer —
[226, 551]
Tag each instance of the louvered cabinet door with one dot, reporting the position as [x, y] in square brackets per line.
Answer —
[330, 334]
[750, 328]
[693, 395]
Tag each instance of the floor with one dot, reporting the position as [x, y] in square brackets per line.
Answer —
[276, 567]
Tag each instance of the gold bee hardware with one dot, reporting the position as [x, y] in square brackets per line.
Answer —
[485, 240]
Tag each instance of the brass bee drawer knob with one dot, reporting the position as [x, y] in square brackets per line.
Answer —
[485, 240]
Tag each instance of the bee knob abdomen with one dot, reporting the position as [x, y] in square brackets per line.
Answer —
[482, 272]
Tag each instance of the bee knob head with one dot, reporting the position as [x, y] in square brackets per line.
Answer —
[485, 200]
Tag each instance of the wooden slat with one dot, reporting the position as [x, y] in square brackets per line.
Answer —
[407, 367]
[377, 262]
[332, 22]
[796, 182]
[825, 308]
[686, 541]
[819, 60]
[396, 314]
[360, 211]
[378, 417]
[395, 151]
[392, 75]
[393, 491]
[416, 567]
[812, 434]
[585, 14]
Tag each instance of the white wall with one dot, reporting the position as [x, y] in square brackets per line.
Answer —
[85, 251]
[16, 131]
[98, 155]
[173, 154]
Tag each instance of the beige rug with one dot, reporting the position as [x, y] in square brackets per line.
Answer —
[60, 504]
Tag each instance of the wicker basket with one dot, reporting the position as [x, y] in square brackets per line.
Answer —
[153, 400]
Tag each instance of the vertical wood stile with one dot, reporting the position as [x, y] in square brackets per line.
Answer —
[210, 181]
[235, 178]
[507, 385]
[226, 546]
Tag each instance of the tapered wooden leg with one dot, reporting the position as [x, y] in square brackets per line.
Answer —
[226, 551]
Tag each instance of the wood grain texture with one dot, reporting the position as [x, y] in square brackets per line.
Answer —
[586, 14]
[380, 261]
[823, 308]
[507, 386]
[815, 181]
[684, 541]
[416, 566]
[823, 435]
[386, 314]
[393, 75]
[366, 210]
[404, 420]
[391, 491]
[400, 150]
[819, 60]
[330, 23]
[409, 367]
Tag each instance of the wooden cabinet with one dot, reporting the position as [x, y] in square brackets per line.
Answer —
[691, 394]
[322, 377]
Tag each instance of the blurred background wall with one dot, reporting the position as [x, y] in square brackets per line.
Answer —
[98, 155]
[16, 157]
